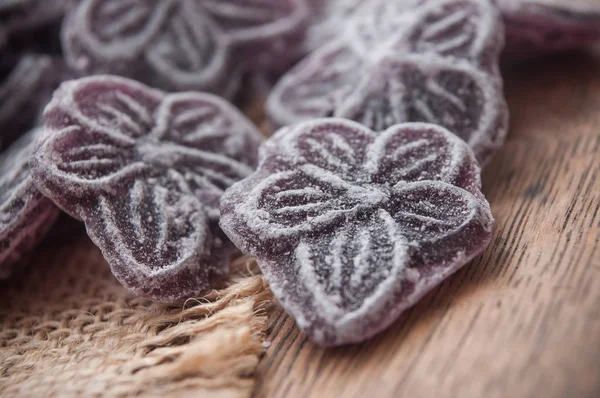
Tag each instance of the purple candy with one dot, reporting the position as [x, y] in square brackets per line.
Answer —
[25, 214]
[145, 171]
[181, 44]
[351, 227]
[26, 85]
[262, 32]
[543, 26]
[406, 61]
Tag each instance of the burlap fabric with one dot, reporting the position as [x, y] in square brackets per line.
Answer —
[68, 328]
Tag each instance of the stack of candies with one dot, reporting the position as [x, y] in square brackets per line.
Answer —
[367, 196]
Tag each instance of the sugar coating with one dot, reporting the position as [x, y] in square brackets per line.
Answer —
[351, 227]
[26, 85]
[145, 171]
[406, 61]
[181, 45]
[25, 214]
[22, 16]
[328, 19]
[543, 26]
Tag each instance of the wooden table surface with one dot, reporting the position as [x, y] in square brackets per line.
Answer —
[523, 319]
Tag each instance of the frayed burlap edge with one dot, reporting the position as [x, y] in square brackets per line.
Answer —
[68, 328]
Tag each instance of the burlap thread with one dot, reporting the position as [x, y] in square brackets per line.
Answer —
[68, 329]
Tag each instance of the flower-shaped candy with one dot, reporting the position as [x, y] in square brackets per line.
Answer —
[145, 172]
[406, 61]
[181, 44]
[25, 214]
[351, 227]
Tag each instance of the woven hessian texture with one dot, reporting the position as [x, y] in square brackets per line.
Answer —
[69, 329]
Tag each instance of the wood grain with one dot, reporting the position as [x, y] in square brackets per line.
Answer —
[523, 319]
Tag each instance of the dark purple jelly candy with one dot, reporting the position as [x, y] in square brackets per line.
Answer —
[145, 171]
[25, 214]
[535, 27]
[182, 44]
[262, 33]
[434, 61]
[26, 85]
[351, 227]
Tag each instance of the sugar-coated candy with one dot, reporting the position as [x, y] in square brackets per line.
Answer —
[542, 26]
[145, 171]
[351, 227]
[262, 33]
[406, 61]
[25, 214]
[180, 45]
[26, 85]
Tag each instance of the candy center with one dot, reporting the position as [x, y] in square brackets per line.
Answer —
[371, 195]
[159, 153]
